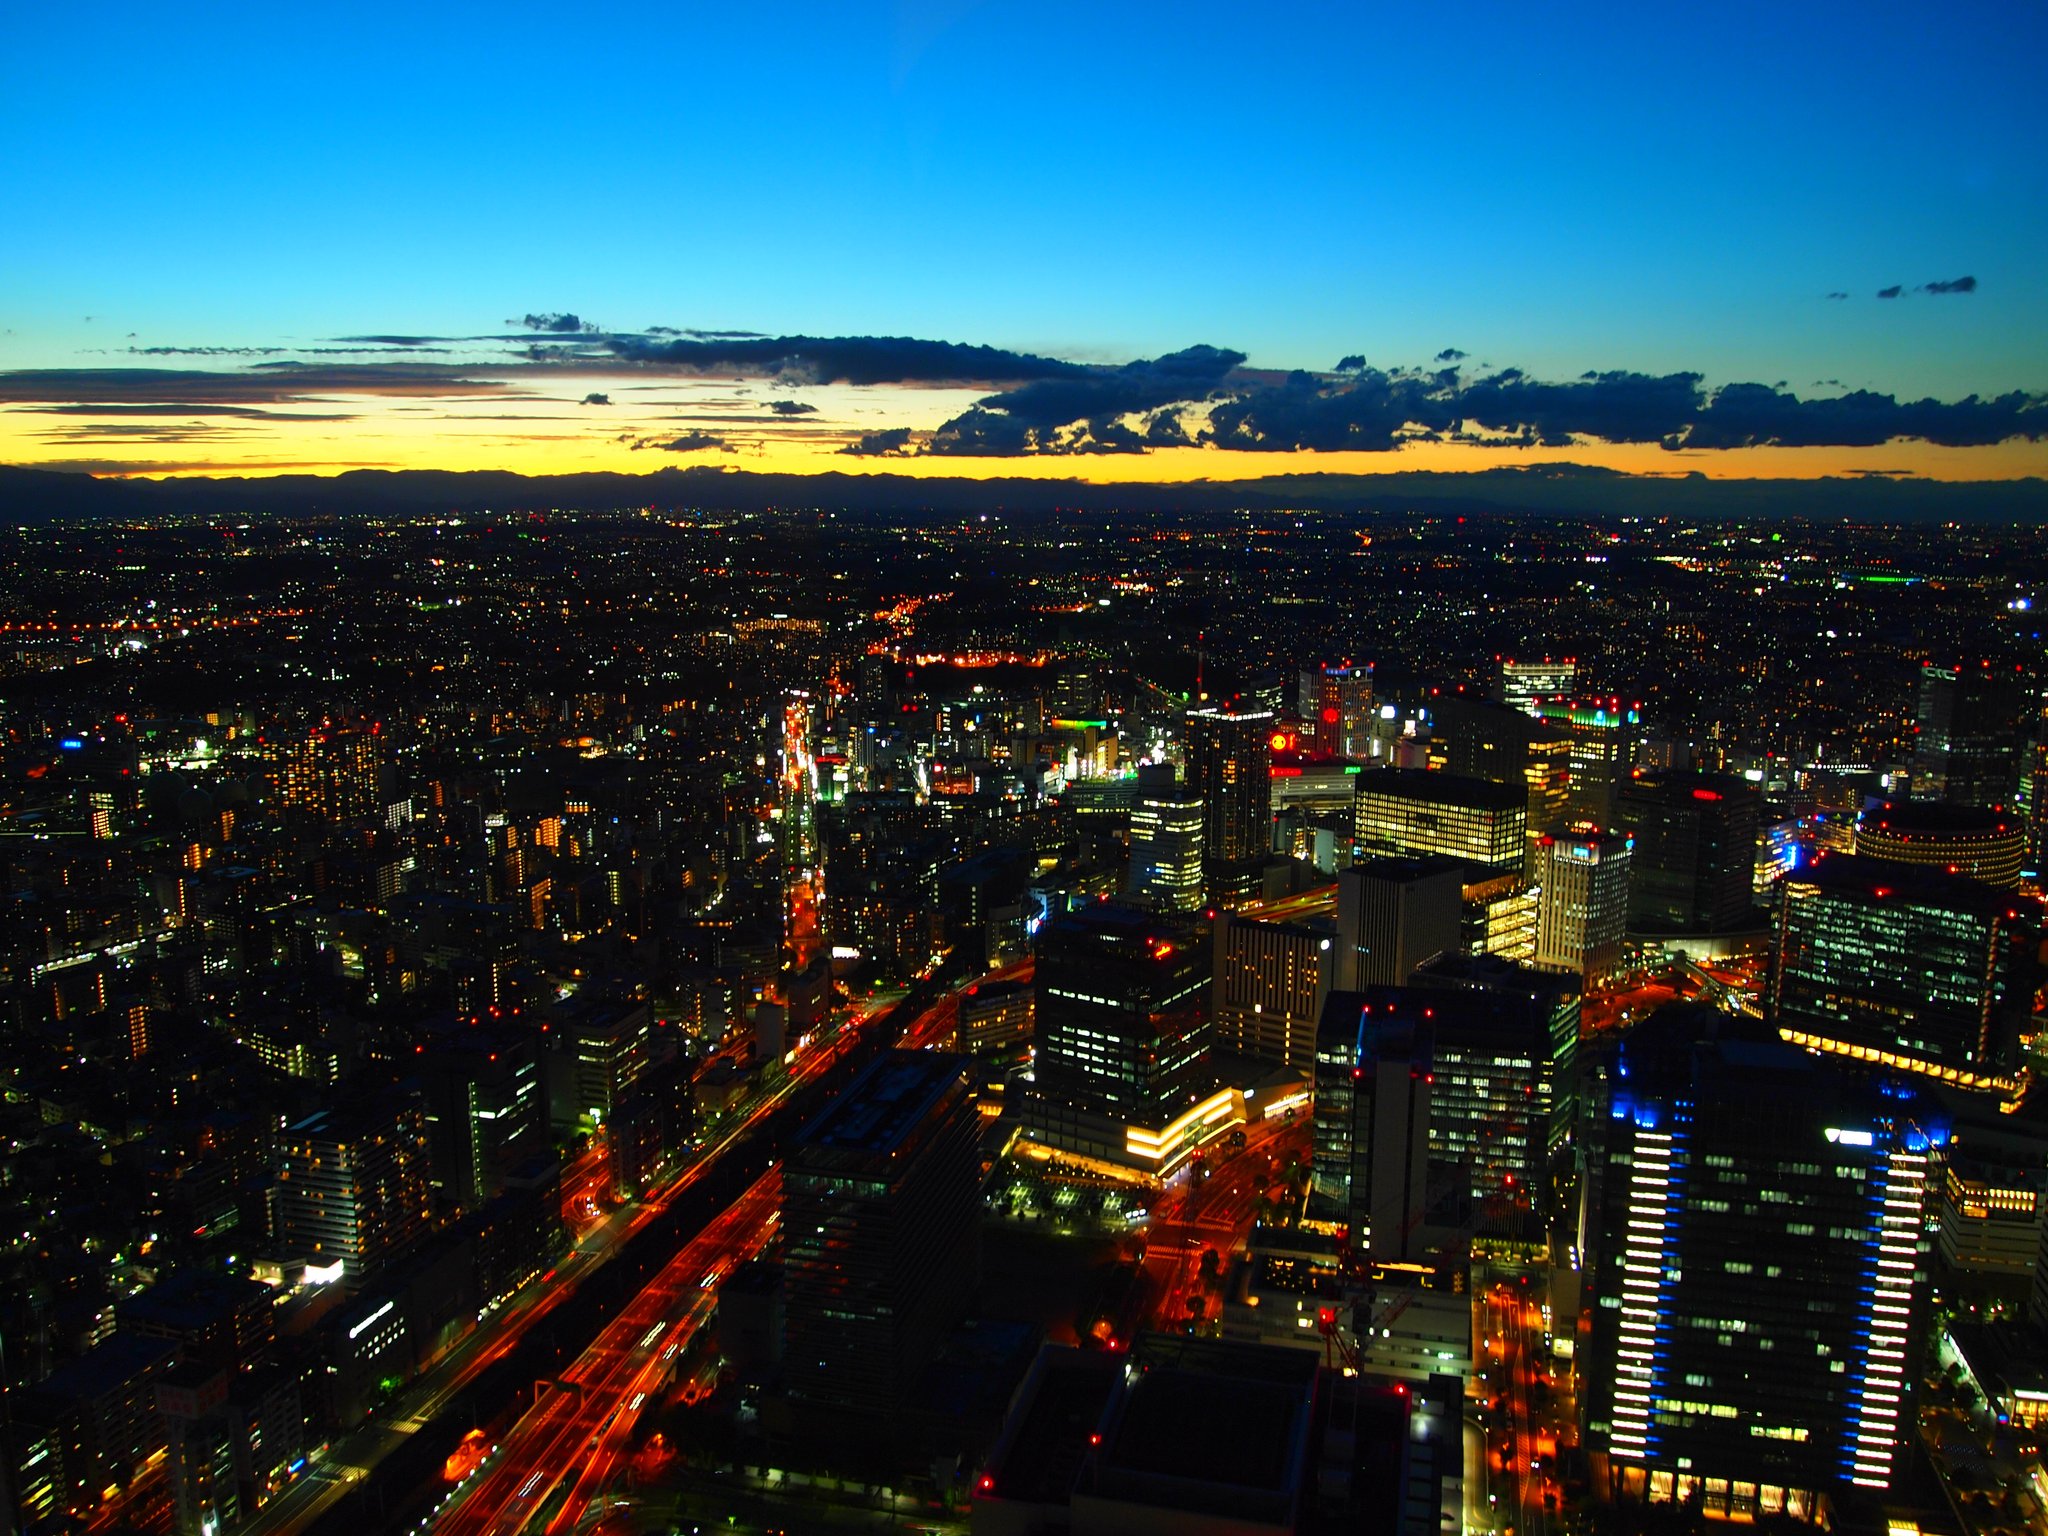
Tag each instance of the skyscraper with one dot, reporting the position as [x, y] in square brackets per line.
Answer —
[1582, 916]
[1123, 1037]
[1605, 736]
[1374, 1076]
[1968, 724]
[1271, 979]
[1968, 840]
[1524, 685]
[1393, 914]
[1407, 812]
[879, 1211]
[1906, 968]
[1501, 744]
[1230, 758]
[1166, 842]
[352, 1184]
[1692, 859]
[1755, 1223]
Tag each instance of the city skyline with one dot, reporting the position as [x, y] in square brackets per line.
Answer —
[1353, 241]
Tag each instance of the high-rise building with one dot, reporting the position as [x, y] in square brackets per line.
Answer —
[1503, 744]
[880, 1200]
[1606, 734]
[1230, 758]
[1967, 840]
[597, 1050]
[1393, 914]
[1271, 979]
[1754, 1239]
[1582, 915]
[1166, 842]
[332, 772]
[1524, 685]
[996, 1024]
[1337, 705]
[352, 1184]
[486, 1105]
[1969, 724]
[1374, 1077]
[1525, 1014]
[1905, 968]
[1408, 812]
[1123, 1037]
[1692, 859]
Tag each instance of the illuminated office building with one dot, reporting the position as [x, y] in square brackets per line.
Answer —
[1582, 914]
[1524, 685]
[1904, 968]
[1532, 1014]
[1953, 839]
[1270, 982]
[1757, 1278]
[1502, 744]
[1410, 812]
[1229, 758]
[1968, 730]
[1692, 855]
[1166, 842]
[880, 1203]
[1123, 1036]
[1337, 705]
[1605, 734]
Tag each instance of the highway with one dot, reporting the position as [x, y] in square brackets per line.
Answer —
[581, 1425]
[351, 1458]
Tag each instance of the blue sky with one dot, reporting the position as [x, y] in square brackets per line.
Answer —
[1641, 187]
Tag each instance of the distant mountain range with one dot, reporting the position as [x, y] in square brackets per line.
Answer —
[33, 495]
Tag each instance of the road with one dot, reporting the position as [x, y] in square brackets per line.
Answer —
[1522, 1430]
[579, 1429]
[589, 1427]
[1194, 1213]
[353, 1454]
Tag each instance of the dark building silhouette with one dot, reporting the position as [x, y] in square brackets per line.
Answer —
[1230, 767]
[1967, 733]
[1692, 866]
[879, 1209]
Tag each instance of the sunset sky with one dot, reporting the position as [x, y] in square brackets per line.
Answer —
[1122, 242]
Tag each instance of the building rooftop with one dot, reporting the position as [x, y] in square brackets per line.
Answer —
[885, 1103]
[1934, 818]
[1848, 874]
[1442, 789]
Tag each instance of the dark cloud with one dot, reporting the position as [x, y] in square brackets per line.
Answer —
[1079, 414]
[840, 359]
[406, 341]
[594, 398]
[791, 408]
[269, 383]
[1952, 285]
[892, 444]
[688, 442]
[1448, 355]
[163, 408]
[206, 351]
[1355, 363]
[1838, 295]
[1196, 399]
[559, 324]
[1892, 292]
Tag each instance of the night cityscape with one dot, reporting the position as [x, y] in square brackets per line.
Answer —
[955, 915]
